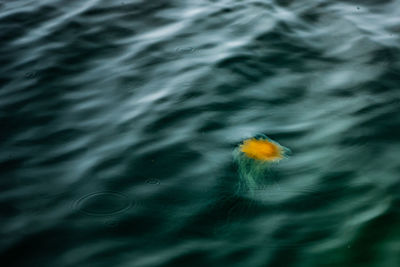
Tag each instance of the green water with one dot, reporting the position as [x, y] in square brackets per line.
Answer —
[119, 120]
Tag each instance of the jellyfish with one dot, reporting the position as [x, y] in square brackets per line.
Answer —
[256, 159]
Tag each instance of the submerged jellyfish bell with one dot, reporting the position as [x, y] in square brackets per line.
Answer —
[263, 149]
[255, 158]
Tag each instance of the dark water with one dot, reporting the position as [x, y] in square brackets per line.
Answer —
[119, 118]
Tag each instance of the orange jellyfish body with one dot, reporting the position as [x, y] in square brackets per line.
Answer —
[257, 158]
[262, 149]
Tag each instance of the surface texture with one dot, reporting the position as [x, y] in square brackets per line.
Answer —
[118, 121]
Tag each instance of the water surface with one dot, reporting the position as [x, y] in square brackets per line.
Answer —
[119, 118]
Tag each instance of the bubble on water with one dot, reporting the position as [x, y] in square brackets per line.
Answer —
[153, 181]
[30, 74]
[104, 203]
[186, 50]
